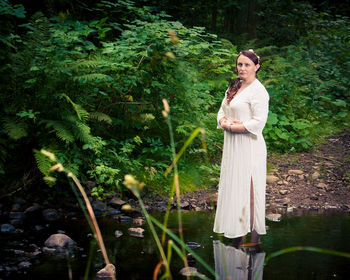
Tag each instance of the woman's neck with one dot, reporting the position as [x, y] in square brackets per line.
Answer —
[247, 82]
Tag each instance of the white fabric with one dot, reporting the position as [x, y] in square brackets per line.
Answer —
[243, 159]
[232, 263]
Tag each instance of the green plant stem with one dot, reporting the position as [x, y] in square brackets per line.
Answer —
[154, 233]
[177, 187]
[178, 240]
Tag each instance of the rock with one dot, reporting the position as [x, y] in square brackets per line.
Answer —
[270, 179]
[189, 271]
[295, 172]
[59, 241]
[33, 211]
[118, 233]
[314, 197]
[16, 215]
[184, 204]
[38, 227]
[106, 273]
[322, 186]
[16, 222]
[274, 217]
[190, 259]
[290, 209]
[50, 215]
[283, 192]
[285, 201]
[99, 208]
[117, 202]
[7, 228]
[49, 250]
[301, 177]
[24, 265]
[192, 245]
[136, 232]
[138, 221]
[124, 219]
[112, 211]
[16, 207]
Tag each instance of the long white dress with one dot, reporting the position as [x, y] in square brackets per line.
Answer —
[243, 160]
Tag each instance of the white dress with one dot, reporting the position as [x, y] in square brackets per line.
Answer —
[243, 160]
[233, 264]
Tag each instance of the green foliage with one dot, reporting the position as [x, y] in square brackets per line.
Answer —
[91, 90]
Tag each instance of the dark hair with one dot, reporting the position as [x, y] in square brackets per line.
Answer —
[236, 84]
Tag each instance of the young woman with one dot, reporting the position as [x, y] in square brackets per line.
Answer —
[243, 114]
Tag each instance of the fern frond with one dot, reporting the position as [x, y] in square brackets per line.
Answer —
[61, 130]
[43, 162]
[94, 77]
[80, 111]
[82, 132]
[15, 129]
[100, 117]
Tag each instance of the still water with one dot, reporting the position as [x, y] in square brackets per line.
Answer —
[135, 258]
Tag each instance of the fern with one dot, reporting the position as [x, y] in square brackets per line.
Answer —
[94, 77]
[15, 129]
[82, 132]
[100, 117]
[80, 111]
[62, 131]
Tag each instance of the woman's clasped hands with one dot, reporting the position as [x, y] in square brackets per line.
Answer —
[228, 125]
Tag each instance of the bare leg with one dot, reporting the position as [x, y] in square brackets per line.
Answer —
[255, 238]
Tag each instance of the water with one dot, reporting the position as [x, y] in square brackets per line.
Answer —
[136, 258]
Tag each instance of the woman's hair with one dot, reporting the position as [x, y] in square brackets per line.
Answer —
[236, 84]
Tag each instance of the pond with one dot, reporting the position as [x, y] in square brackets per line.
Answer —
[136, 258]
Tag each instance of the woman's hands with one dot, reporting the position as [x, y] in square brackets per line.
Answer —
[233, 126]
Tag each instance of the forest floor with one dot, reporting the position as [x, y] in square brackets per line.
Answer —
[317, 179]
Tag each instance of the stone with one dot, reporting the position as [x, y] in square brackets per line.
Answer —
[123, 219]
[38, 227]
[136, 232]
[106, 273]
[189, 271]
[301, 177]
[138, 221]
[184, 204]
[7, 228]
[24, 265]
[59, 241]
[192, 245]
[274, 217]
[112, 211]
[50, 215]
[315, 175]
[285, 201]
[118, 233]
[16, 215]
[16, 222]
[33, 211]
[290, 209]
[270, 179]
[322, 186]
[99, 208]
[16, 207]
[295, 172]
[117, 202]
[49, 250]
[283, 192]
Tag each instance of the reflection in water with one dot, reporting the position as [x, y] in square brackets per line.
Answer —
[237, 264]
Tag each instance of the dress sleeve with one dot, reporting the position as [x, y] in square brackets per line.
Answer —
[259, 105]
[221, 114]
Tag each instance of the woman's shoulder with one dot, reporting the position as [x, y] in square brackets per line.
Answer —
[259, 89]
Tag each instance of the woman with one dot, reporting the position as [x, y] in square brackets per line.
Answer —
[243, 114]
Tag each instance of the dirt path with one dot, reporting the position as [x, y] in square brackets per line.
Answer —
[318, 179]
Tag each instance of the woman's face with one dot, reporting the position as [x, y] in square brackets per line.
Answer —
[246, 68]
